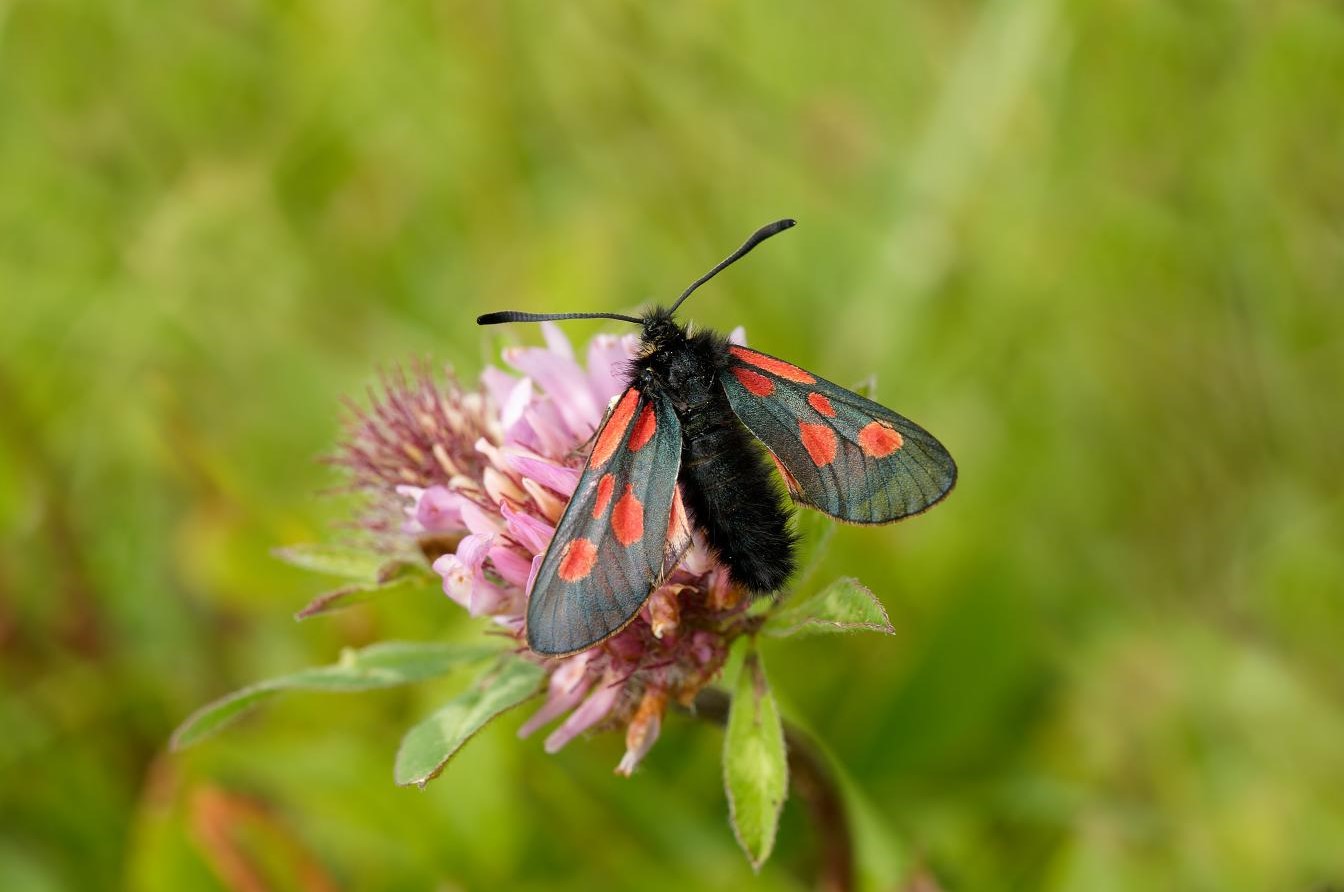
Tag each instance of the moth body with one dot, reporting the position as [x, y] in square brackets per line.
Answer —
[726, 481]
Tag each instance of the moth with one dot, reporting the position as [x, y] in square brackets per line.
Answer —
[681, 448]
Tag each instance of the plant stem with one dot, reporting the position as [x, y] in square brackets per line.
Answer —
[815, 786]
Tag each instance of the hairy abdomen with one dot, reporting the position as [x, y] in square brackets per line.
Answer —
[732, 496]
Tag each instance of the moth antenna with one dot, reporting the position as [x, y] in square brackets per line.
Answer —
[757, 237]
[516, 316]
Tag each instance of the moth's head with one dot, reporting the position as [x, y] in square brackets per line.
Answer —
[660, 330]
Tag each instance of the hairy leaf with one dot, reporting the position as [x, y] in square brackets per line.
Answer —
[845, 605]
[393, 576]
[379, 665]
[428, 746]
[755, 766]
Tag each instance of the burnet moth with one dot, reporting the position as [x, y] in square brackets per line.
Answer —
[681, 449]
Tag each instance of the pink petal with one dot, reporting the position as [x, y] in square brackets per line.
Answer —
[521, 434]
[485, 446]
[472, 552]
[608, 365]
[439, 510]
[528, 531]
[488, 599]
[532, 574]
[500, 487]
[457, 581]
[593, 710]
[553, 476]
[553, 437]
[555, 707]
[556, 341]
[511, 410]
[512, 623]
[498, 385]
[567, 687]
[478, 521]
[510, 565]
[464, 579]
[551, 506]
[564, 382]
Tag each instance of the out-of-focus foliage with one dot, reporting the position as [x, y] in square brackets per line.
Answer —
[1094, 246]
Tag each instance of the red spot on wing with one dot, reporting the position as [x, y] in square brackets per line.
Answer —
[819, 402]
[611, 435]
[777, 367]
[678, 524]
[577, 561]
[879, 439]
[820, 442]
[627, 518]
[604, 488]
[643, 430]
[754, 383]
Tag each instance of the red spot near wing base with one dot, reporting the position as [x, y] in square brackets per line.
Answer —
[788, 478]
[777, 367]
[819, 402]
[758, 385]
[878, 439]
[643, 430]
[578, 560]
[611, 435]
[678, 524]
[604, 488]
[819, 441]
[627, 518]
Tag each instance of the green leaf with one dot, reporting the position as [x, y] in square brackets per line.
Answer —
[427, 747]
[755, 767]
[379, 665]
[393, 576]
[845, 605]
[355, 564]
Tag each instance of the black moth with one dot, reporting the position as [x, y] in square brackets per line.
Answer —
[696, 413]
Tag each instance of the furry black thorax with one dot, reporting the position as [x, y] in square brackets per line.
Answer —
[730, 492]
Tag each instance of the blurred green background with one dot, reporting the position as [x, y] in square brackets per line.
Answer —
[1095, 246]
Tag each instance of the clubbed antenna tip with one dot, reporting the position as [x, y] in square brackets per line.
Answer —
[756, 238]
[516, 316]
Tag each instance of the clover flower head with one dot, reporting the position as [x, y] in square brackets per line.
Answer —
[480, 478]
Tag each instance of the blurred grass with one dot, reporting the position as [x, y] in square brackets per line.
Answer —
[1095, 246]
